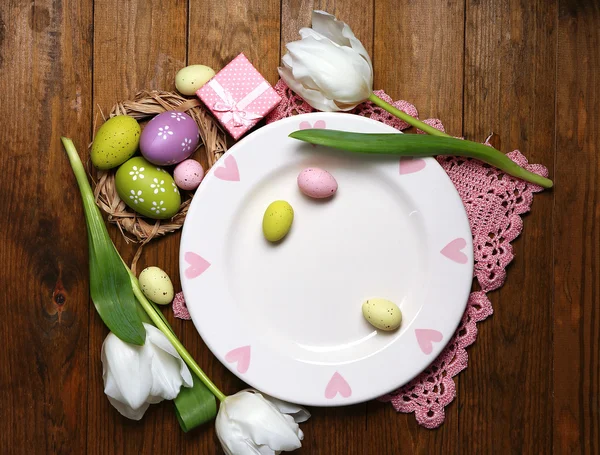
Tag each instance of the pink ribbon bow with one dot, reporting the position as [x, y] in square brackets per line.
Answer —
[236, 111]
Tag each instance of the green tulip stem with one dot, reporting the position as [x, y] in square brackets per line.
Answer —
[421, 145]
[164, 327]
[407, 118]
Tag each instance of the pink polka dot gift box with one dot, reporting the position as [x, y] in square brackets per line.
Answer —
[239, 96]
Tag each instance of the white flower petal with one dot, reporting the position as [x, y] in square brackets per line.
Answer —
[328, 26]
[127, 411]
[339, 32]
[126, 371]
[305, 32]
[298, 413]
[329, 67]
[137, 376]
[247, 423]
[158, 339]
[313, 97]
[340, 74]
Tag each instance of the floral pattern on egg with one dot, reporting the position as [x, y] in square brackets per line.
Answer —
[136, 196]
[146, 189]
[169, 138]
[157, 185]
[178, 116]
[137, 172]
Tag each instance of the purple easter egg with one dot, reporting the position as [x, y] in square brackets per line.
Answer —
[169, 138]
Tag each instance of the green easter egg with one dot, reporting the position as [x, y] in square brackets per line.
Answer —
[277, 220]
[147, 189]
[116, 141]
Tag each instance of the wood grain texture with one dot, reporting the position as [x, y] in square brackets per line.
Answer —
[510, 59]
[577, 232]
[45, 81]
[418, 56]
[220, 30]
[528, 71]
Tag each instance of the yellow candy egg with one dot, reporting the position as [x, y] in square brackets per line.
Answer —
[156, 285]
[191, 78]
[277, 220]
[382, 314]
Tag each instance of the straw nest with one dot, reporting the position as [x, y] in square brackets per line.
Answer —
[145, 105]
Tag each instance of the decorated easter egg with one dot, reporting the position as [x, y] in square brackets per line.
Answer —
[188, 174]
[156, 285]
[147, 189]
[169, 138]
[382, 314]
[116, 141]
[277, 220]
[317, 183]
[191, 78]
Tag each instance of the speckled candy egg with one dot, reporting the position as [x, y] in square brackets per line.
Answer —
[156, 285]
[277, 220]
[382, 314]
[169, 138]
[147, 189]
[191, 78]
[116, 141]
[188, 174]
[317, 183]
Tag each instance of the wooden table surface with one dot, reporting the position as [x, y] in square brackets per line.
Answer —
[526, 70]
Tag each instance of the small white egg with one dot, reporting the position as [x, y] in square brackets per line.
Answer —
[156, 285]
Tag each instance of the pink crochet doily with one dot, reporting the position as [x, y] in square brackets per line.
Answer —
[494, 203]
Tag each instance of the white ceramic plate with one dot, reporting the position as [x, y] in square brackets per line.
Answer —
[287, 318]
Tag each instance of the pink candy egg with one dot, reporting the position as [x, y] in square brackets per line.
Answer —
[169, 138]
[188, 174]
[317, 183]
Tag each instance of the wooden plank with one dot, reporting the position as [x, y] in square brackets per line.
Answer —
[510, 84]
[45, 81]
[418, 56]
[577, 231]
[218, 32]
[137, 45]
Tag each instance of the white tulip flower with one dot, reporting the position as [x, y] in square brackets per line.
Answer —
[329, 67]
[137, 376]
[250, 423]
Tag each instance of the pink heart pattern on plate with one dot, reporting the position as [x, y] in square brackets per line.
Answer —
[337, 384]
[411, 165]
[453, 251]
[319, 124]
[426, 338]
[240, 355]
[198, 265]
[229, 171]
